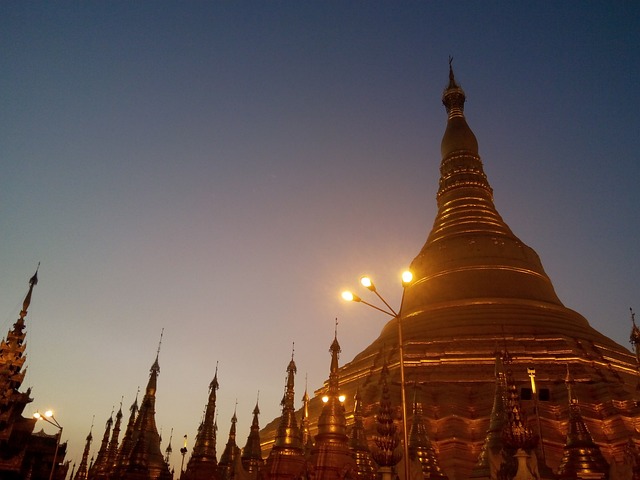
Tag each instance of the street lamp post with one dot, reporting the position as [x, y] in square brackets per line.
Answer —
[366, 282]
[49, 418]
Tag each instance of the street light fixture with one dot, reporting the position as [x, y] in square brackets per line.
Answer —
[49, 418]
[367, 282]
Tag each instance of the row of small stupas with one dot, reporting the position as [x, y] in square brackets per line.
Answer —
[24, 454]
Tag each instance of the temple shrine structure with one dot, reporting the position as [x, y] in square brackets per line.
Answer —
[500, 381]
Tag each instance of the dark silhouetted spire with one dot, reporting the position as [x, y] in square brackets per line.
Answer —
[306, 438]
[15, 430]
[100, 466]
[122, 458]
[146, 460]
[387, 440]
[582, 458]
[83, 468]
[169, 450]
[359, 445]
[231, 451]
[420, 446]
[203, 462]
[112, 451]
[491, 454]
[252, 453]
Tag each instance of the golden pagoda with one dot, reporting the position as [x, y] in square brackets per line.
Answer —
[477, 286]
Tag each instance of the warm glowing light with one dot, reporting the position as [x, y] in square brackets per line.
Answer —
[325, 399]
[37, 415]
[341, 398]
[350, 297]
[532, 376]
[407, 277]
[48, 414]
[366, 282]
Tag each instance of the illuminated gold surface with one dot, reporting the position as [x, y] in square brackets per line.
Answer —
[478, 288]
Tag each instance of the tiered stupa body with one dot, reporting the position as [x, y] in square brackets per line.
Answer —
[146, 461]
[251, 453]
[15, 430]
[331, 457]
[203, 464]
[286, 461]
[478, 286]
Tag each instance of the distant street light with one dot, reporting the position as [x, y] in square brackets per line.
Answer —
[49, 418]
[407, 278]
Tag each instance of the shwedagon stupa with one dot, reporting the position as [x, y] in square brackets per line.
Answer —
[479, 293]
[504, 381]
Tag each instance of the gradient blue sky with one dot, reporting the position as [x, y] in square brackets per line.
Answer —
[223, 170]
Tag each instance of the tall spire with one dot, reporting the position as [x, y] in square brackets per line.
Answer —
[83, 468]
[331, 457]
[359, 444]
[130, 435]
[251, 453]
[582, 457]
[386, 452]
[490, 456]
[203, 462]
[112, 451]
[420, 446]
[286, 459]
[12, 359]
[288, 434]
[100, 466]
[146, 460]
[231, 451]
[15, 430]
[306, 438]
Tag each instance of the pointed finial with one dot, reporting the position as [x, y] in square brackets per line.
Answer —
[34, 280]
[633, 316]
[453, 97]
[256, 410]
[214, 385]
[27, 300]
[156, 364]
[452, 80]
[160, 343]
[293, 349]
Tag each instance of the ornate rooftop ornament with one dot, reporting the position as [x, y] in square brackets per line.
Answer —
[231, 453]
[251, 453]
[359, 444]
[582, 457]
[83, 468]
[387, 440]
[286, 459]
[146, 460]
[203, 463]
[100, 466]
[420, 446]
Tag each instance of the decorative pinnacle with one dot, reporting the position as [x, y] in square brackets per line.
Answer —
[453, 97]
[214, 385]
[27, 300]
[156, 366]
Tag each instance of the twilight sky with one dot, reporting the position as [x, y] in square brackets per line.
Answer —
[223, 170]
